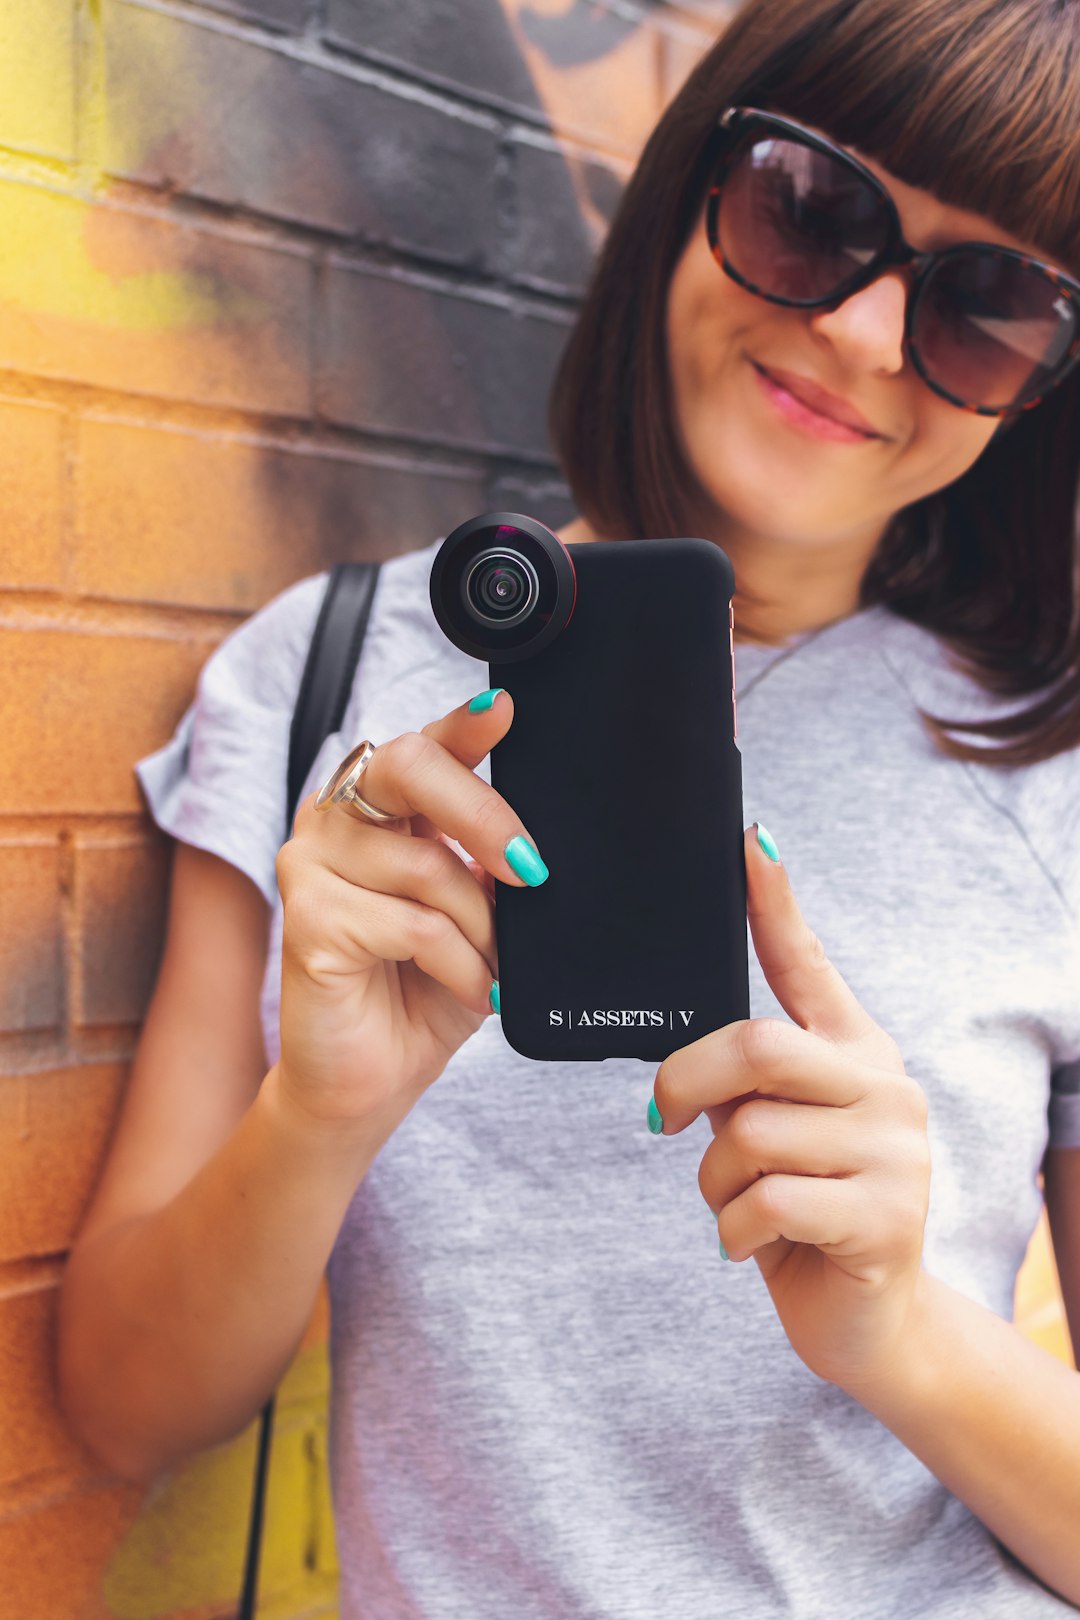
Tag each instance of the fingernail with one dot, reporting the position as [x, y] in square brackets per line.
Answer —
[493, 997]
[484, 700]
[656, 1124]
[765, 839]
[525, 860]
[723, 1252]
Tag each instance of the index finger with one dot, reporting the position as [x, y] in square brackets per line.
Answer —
[429, 776]
[753, 1057]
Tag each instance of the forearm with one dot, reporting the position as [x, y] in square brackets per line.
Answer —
[176, 1327]
[997, 1419]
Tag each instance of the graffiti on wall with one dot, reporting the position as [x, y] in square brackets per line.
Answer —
[280, 284]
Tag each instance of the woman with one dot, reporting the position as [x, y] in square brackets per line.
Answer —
[550, 1396]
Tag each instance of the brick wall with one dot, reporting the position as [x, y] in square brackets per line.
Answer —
[281, 282]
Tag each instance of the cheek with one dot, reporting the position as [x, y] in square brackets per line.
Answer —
[707, 316]
[704, 303]
[947, 441]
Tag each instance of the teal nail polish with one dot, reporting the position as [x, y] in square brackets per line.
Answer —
[656, 1124]
[765, 839]
[493, 997]
[525, 860]
[484, 700]
[723, 1252]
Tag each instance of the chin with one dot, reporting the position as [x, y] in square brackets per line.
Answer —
[770, 510]
[759, 489]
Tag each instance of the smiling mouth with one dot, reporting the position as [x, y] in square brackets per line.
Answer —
[796, 400]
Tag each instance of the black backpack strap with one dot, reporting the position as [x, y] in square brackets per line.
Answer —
[248, 1595]
[320, 708]
[328, 674]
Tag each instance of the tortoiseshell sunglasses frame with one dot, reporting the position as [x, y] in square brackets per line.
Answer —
[735, 122]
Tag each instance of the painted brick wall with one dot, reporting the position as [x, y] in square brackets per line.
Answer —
[281, 282]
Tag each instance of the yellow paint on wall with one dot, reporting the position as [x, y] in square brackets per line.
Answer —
[185, 1552]
[37, 76]
[67, 259]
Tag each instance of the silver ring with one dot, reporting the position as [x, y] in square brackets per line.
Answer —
[340, 788]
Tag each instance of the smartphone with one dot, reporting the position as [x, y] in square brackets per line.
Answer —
[622, 762]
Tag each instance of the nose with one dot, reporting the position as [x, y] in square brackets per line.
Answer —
[867, 329]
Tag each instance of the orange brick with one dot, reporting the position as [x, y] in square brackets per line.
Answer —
[168, 516]
[77, 710]
[31, 960]
[30, 495]
[1039, 1311]
[54, 1556]
[132, 301]
[35, 1441]
[613, 95]
[120, 897]
[679, 51]
[54, 1128]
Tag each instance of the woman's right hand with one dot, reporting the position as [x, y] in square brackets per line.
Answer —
[388, 949]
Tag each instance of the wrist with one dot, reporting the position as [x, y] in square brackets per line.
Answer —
[905, 1383]
[355, 1141]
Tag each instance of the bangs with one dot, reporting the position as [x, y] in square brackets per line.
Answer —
[976, 101]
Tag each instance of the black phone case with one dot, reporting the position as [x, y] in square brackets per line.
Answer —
[623, 765]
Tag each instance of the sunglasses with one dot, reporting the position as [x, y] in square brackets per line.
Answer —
[794, 218]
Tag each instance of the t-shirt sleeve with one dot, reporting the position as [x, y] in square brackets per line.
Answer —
[1053, 816]
[220, 782]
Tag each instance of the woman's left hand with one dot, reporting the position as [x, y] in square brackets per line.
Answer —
[819, 1165]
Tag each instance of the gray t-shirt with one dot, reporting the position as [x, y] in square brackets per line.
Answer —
[551, 1398]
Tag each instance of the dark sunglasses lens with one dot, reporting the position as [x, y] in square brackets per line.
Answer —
[794, 222]
[992, 331]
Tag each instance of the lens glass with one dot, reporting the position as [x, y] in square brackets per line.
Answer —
[796, 223]
[991, 330]
[501, 586]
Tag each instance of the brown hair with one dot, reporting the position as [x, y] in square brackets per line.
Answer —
[976, 101]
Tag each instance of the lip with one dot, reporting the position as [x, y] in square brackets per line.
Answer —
[828, 407]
